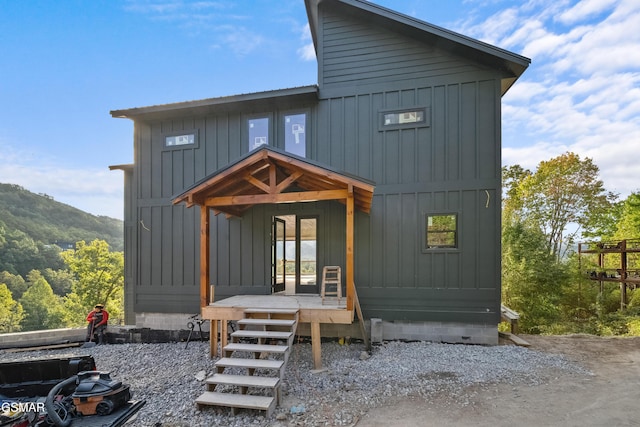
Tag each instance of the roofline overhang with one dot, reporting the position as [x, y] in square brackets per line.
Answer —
[511, 63]
[124, 167]
[228, 103]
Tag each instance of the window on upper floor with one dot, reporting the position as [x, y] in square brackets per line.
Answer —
[405, 118]
[295, 131]
[441, 231]
[258, 132]
[181, 139]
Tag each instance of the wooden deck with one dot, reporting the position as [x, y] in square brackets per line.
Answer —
[310, 309]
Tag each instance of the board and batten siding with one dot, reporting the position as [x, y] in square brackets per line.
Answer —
[167, 241]
[354, 53]
[168, 235]
[451, 166]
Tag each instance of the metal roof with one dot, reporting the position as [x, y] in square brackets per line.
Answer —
[228, 103]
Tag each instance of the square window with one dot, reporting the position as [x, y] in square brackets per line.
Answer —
[442, 231]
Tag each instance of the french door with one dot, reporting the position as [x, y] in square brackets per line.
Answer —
[295, 254]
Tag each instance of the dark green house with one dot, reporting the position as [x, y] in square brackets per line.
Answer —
[403, 127]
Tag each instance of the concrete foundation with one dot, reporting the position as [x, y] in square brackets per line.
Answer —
[443, 332]
[164, 321]
[160, 327]
[379, 330]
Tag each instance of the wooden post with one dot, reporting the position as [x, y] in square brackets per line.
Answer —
[316, 343]
[350, 236]
[205, 295]
[213, 338]
[223, 333]
[206, 291]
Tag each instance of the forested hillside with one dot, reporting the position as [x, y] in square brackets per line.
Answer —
[56, 262]
[47, 221]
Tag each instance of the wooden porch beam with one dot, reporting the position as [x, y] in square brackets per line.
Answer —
[205, 292]
[350, 237]
[288, 181]
[272, 178]
[256, 182]
[254, 199]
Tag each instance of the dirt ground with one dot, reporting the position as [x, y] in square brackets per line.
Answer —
[610, 397]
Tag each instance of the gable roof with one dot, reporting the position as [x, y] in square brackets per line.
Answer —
[513, 65]
[269, 175]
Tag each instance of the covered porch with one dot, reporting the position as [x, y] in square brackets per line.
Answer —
[271, 176]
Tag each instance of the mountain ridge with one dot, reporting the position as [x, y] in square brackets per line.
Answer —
[51, 222]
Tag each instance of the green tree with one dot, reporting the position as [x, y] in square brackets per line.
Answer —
[19, 254]
[533, 282]
[628, 227]
[43, 309]
[512, 177]
[99, 277]
[14, 282]
[11, 312]
[563, 191]
[61, 281]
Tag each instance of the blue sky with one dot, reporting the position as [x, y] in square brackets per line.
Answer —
[65, 64]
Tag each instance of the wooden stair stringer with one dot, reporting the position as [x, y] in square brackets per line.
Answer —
[254, 361]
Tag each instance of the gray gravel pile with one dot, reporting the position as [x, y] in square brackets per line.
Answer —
[169, 378]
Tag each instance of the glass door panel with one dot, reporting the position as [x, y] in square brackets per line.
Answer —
[307, 254]
[278, 254]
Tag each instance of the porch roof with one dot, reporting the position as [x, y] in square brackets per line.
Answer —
[269, 175]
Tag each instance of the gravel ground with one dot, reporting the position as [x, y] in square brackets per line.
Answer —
[166, 376]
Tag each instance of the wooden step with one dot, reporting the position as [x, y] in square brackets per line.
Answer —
[291, 311]
[276, 335]
[266, 322]
[253, 328]
[244, 381]
[233, 362]
[246, 401]
[256, 348]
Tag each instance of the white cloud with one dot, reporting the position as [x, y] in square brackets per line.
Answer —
[582, 90]
[308, 51]
[242, 41]
[584, 9]
[168, 8]
[97, 191]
